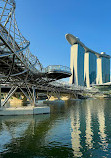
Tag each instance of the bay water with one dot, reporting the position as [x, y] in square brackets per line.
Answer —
[75, 128]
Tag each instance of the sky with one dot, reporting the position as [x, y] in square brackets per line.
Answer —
[45, 22]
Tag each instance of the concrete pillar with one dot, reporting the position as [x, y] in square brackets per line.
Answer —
[99, 79]
[73, 64]
[86, 69]
[0, 95]
[34, 95]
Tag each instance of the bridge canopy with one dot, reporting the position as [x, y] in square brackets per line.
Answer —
[57, 71]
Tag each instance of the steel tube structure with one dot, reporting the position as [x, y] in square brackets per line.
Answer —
[19, 68]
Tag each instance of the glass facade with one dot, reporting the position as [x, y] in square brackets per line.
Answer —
[80, 65]
[92, 67]
[105, 69]
[89, 69]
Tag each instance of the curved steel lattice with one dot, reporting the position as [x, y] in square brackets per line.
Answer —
[11, 36]
[16, 59]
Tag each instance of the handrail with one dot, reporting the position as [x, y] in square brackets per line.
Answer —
[57, 68]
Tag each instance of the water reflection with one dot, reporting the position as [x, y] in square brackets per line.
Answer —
[101, 121]
[89, 132]
[74, 129]
[88, 128]
[75, 132]
[13, 128]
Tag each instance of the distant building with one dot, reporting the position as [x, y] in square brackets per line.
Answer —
[87, 66]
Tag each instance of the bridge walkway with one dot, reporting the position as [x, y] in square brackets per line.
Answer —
[18, 66]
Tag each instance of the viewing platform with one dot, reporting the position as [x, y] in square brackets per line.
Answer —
[57, 71]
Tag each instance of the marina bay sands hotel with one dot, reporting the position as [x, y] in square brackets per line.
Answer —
[87, 66]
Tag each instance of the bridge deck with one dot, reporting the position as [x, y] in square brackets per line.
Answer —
[19, 68]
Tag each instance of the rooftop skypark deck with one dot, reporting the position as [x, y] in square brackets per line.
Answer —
[74, 40]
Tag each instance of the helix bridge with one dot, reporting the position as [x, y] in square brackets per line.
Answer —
[19, 68]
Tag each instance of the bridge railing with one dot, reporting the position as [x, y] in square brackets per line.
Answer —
[58, 68]
[67, 85]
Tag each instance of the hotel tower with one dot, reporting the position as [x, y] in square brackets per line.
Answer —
[87, 66]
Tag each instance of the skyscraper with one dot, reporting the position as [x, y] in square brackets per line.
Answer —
[87, 66]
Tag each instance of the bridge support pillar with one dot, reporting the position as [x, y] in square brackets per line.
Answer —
[34, 95]
[0, 95]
